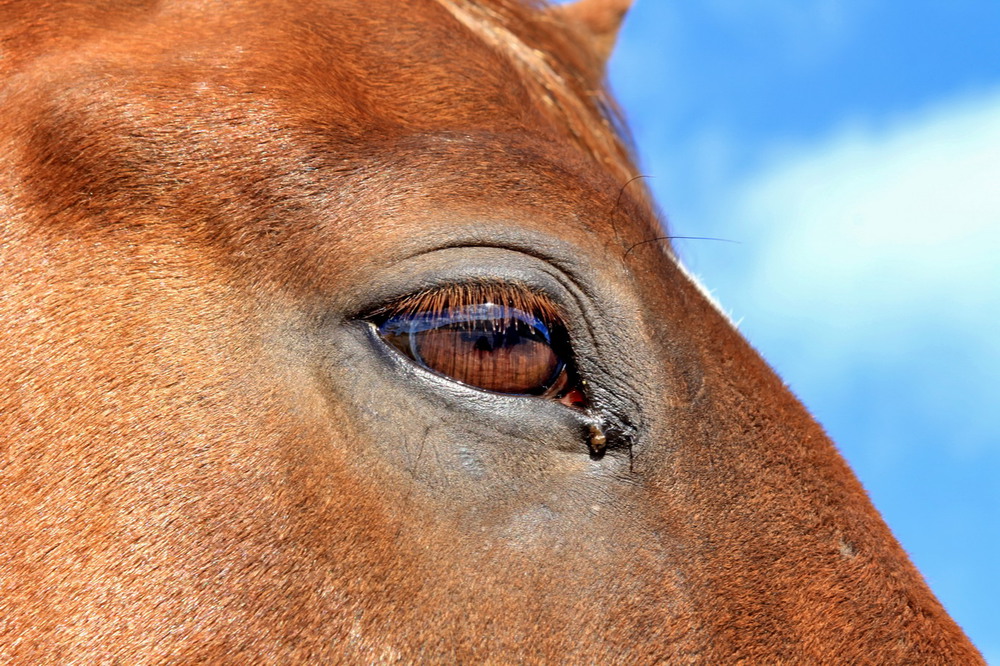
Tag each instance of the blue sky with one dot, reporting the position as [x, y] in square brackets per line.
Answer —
[852, 150]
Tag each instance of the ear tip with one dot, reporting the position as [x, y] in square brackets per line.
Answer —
[621, 6]
[601, 18]
[609, 8]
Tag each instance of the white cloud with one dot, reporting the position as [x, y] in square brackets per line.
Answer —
[878, 246]
[910, 215]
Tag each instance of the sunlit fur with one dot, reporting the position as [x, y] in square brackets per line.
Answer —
[206, 458]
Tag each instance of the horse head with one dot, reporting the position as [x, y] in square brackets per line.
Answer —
[346, 331]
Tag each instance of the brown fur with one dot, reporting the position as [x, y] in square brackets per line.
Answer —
[202, 461]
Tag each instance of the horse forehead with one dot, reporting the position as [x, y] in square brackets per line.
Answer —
[362, 64]
[360, 71]
[345, 89]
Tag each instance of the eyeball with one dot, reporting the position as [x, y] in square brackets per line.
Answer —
[491, 346]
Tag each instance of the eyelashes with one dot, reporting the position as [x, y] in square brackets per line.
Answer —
[513, 295]
[498, 337]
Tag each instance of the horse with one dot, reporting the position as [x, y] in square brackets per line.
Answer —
[345, 331]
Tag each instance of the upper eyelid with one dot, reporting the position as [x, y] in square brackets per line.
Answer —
[464, 295]
[423, 320]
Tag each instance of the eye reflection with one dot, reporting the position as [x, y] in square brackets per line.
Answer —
[497, 336]
[490, 346]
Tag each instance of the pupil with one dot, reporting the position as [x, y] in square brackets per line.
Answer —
[488, 336]
[482, 342]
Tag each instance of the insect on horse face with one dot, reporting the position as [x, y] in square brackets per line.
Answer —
[334, 331]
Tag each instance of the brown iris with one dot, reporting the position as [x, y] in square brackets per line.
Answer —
[496, 338]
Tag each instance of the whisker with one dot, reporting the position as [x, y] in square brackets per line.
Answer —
[659, 238]
[618, 202]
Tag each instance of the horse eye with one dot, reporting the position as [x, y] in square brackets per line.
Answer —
[492, 347]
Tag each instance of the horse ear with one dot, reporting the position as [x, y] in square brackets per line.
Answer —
[600, 20]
